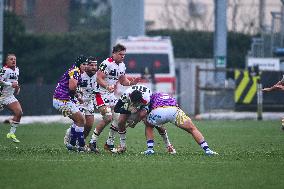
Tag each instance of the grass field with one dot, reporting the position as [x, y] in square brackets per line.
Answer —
[251, 156]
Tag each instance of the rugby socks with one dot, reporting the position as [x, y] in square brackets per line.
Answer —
[204, 145]
[14, 125]
[165, 138]
[150, 144]
[111, 136]
[73, 136]
[80, 135]
[122, 135]
[94, 137]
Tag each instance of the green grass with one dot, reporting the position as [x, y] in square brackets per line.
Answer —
[251, 156]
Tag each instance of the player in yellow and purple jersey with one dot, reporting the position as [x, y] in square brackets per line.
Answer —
[64, 100]
[164, 109]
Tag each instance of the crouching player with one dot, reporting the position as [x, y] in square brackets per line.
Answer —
[164, 109]
[65, 101]
[133, 107]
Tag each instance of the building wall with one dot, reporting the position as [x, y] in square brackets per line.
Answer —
[242, 15]
[42, 16]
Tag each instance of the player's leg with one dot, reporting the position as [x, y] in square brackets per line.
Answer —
[109, 145]
[102, 104]
[156, 118]
[16, 109]
[163, 133]
[122, 131]
[107, 118]
[70, 109]
[113, 130]
[77, 130]
[184, 122]
[149, 134]
[89, 124]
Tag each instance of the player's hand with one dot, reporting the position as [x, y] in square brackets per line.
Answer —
[135, 81]
[15, 85]
[266, 89]
[131, 123]
[110, 88]
[81, 101]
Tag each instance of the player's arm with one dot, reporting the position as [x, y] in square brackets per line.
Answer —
[101, 81]
[278, 86]
[123, 80]
[121, 107]
[3, 75]
[72, 87]
[141, 115]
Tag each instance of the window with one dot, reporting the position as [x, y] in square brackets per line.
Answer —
[29, 7]
[156, 63]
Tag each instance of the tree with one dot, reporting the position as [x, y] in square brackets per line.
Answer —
[13, 30]
[89, 15]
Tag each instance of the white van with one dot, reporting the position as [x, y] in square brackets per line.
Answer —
[152, 59]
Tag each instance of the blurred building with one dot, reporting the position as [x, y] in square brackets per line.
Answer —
[57, 16]
[245, 16]
[41, 16]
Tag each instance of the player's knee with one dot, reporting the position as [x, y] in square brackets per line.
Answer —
[107, 118]
[18, 113]
[80, 120]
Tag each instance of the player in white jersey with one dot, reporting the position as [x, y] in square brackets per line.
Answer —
[86, 91]
[279, 86]
[111, 71]
[9, 75]
[133, 106]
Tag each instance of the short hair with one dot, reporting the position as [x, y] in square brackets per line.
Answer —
[91, 59]
[9, 54]
[118, 47]
[136, 96]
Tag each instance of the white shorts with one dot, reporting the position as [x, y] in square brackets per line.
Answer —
[66, 107]
[162, 115]
[4, 101]
[105, 99]
[87, 108]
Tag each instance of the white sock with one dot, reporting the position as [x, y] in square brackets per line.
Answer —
[111, 135]
[122, 138]
[14, 126]
[94, 137]
[165, 138]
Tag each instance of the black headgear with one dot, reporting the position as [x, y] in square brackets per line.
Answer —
[80, 60]
[136, 96]
[91, 59]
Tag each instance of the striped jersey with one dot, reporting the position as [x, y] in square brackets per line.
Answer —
[162, 99]
[62, 89]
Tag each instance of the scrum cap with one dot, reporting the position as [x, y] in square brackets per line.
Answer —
[80, 60]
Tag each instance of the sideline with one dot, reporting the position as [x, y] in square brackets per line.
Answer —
[239, 116]
[44, 119]
[205, 116]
